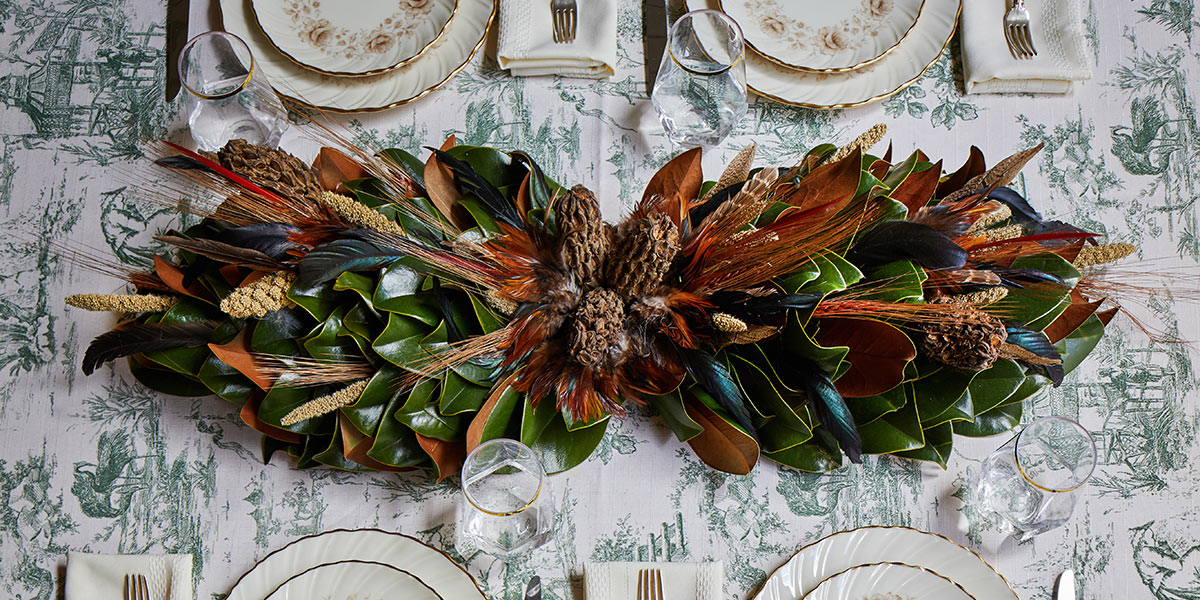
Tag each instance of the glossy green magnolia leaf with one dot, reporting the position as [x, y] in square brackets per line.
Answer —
[998, 420]
[399, 290]
[670, 408]
[992, 386]
[836, 274]
[898, 281]
[225, 381]
[186, 360]
[1033, 384]
[422, 394]
[400, 342]
[366, 413]
[406, 163]
[460, 395]
[430, 422]
[1037, 306]
[814, 456]
[362, 322]
[1077, 346]
[395, 444]
[792, 282]
[762, 384]
[898, 173]
[573, 424]
[281, 399]
[796, 340]
[942, 391]
[278, 332]
[869, 408]
[939, 442]
[363, 285]
[560, 449]
[481, 215]
[493, 165]
[325, 342]
[504, 420]
[334, 456]
[894, 432]
[487, 319]
[319, 300]
[166, 381]
[775, 436]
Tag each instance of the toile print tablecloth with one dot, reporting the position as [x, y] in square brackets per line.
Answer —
[100, 464]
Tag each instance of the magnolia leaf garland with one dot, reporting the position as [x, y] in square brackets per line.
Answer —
[380, 313]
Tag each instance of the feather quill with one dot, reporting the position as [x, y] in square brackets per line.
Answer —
[716, 379]
[904, 240]
[137, 338]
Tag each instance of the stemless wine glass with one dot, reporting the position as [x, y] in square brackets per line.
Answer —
[700, 92]
[1031, 481]
[506, 509]
[228, 97]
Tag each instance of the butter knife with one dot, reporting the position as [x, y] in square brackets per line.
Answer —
[1065, 589]
[533, 591]
[177, 35]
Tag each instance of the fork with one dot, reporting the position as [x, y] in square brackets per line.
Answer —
[563, 14]
[650, 585]
[135, 588]
[1016, 31]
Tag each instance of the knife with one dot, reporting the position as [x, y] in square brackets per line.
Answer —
[533, 591]
[177, 31]
[1065, 589]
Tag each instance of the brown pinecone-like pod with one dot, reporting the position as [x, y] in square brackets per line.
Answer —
[967, 338]
[641, 255]
[271, 168]
[597, 329]
[583, 240]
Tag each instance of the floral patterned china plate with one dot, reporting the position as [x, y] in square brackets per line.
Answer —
[820, 35]
[887, 581]
[430, 566]
[374, 37]
[891, 73]
[353, 580]
[823, 559]
[447, 55]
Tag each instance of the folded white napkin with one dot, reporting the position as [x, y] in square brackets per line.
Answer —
[681, 581]
[1057, 30]
[526, 45]
[91, 576]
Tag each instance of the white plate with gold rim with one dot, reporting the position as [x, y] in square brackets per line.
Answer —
[888, 581]
[819, 35]
[896, 70]
[355, 579]
[829, 556]
[432, 566]
[374, 37]
[447, 55]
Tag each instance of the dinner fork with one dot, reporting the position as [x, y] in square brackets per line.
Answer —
[135, 588]
[650, 585]
[563, 14]
[1016, 31]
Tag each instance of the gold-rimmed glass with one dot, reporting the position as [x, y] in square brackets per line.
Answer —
[1031, 482]
[700, 91]
[506, 509]
[227, 95]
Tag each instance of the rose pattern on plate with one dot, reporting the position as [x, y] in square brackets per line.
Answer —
[822, 41]
[332, 40]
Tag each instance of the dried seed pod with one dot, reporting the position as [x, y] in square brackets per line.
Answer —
[967, 338]
[359, 214]
[123, 303]
[272, 168]
[642, 255]
[597, 329]
[260, 298]
[325, 404]
[583, 239]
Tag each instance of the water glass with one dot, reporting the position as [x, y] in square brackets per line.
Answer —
[228, 96]
[1031, 482]
[700, 92]
[506, 509]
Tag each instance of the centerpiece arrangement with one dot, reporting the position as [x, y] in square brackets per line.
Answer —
[373, 311]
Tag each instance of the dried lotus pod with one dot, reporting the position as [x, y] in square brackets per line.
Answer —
[641, 255]
[271, 168]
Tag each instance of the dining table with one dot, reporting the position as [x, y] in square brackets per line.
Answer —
[100, 464]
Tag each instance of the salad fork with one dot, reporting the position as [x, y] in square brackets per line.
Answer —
[135, 588]
[1017, 32]
[563, 14]
[649, 585]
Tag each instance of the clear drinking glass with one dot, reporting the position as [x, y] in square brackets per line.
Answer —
[228, 97]
[700, 92]
[1031, 481]
[506, 509]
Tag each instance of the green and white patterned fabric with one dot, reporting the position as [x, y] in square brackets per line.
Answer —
[101, 464]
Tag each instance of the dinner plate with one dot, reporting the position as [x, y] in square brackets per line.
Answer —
[376, 36]
[887, 581]
[896, 70]
[353, 579]
[871, 545]
[819, 35]
[428, 564]
[446, 56]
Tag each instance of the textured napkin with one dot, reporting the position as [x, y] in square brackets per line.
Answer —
[681, 581]
[526, 44]
[1057, 30]
[93, 576]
